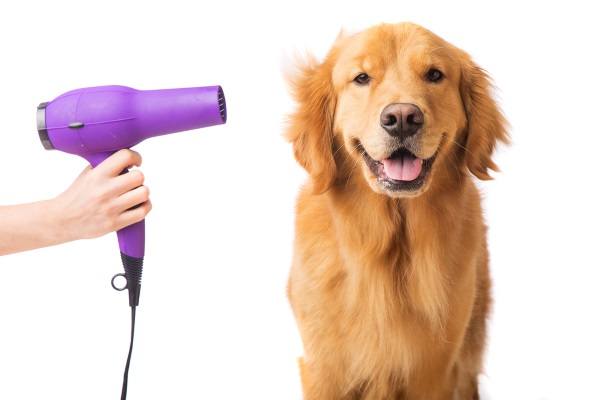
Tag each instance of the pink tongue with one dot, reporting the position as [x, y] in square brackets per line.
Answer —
[403, 169]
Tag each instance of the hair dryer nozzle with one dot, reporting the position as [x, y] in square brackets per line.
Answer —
[222, 104]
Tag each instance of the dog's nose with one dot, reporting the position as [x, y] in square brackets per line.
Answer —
[401, 119]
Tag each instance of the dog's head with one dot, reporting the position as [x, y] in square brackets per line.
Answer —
[401, 104]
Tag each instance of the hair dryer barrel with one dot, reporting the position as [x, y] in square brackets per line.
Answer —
[166, 111]
[93, 121]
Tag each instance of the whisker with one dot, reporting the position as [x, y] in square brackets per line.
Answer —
[338, 149]
[356, 163]
[459, 145]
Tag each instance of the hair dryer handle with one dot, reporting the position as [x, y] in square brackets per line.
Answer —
[132, 237]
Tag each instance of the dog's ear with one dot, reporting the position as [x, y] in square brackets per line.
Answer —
[486, 125]
[311, 126]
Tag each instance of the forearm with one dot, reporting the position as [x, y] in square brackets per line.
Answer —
[29, 226]
[99, 201]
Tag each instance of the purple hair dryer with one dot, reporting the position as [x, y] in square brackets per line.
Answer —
[98, 121]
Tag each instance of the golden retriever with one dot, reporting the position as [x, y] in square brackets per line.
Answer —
[389, 281]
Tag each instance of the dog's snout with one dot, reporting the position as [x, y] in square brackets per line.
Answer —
[401, 119]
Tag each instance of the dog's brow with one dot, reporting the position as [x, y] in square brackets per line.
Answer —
[439, 48]
[446, 53]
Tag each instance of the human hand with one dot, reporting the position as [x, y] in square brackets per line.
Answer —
[100, 199]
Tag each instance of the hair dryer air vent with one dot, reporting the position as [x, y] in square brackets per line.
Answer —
[222, 105]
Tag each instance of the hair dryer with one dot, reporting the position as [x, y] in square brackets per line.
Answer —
[98, 121]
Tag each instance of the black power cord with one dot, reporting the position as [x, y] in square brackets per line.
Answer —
[126, 373]
[133, 274]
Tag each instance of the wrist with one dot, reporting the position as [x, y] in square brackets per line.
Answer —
[56, 221]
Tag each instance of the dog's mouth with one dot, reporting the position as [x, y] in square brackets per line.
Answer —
[401, 171]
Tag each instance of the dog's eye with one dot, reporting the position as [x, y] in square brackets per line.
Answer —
[434, 75]
[362, 78]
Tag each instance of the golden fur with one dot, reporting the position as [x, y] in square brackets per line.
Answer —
[391, 290]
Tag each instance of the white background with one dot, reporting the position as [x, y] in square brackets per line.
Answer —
[214, 322]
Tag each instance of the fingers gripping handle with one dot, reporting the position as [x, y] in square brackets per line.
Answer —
[132, 237]
[131, 243]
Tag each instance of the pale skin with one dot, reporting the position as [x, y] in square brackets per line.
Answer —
[99, 201]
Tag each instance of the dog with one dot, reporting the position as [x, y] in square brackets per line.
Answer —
[389, 283]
